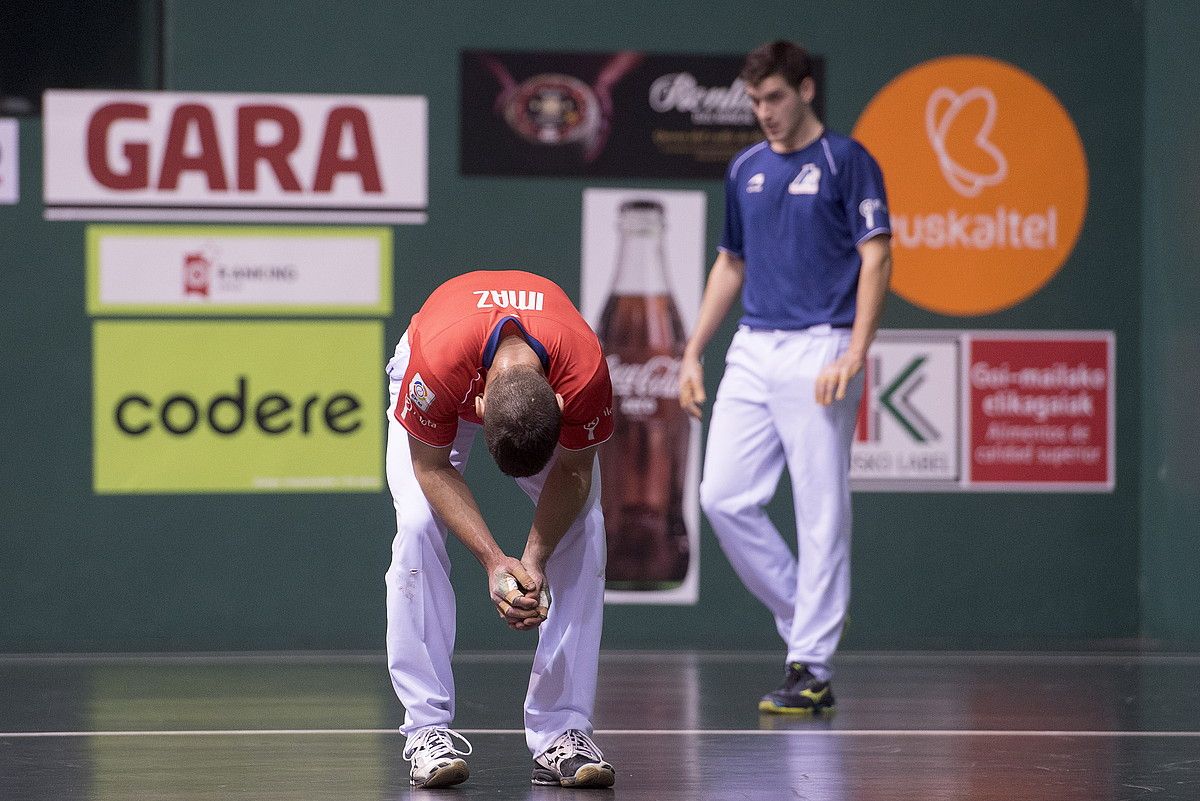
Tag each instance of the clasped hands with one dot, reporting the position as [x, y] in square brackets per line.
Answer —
[520, 593]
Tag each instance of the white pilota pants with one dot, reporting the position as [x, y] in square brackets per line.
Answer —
[421, 606]
[765, 416]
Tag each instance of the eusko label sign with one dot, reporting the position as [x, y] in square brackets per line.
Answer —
[980, 411]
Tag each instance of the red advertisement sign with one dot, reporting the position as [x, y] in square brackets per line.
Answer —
[1041, 411]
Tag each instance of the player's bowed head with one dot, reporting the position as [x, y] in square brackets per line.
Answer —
[522, 417]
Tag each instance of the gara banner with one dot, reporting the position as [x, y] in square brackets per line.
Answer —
[626, 114]
[211, 156]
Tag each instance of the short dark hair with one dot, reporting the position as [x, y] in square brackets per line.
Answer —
[521, 421]
[786, 59]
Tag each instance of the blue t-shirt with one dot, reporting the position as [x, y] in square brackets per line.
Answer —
[796, 220]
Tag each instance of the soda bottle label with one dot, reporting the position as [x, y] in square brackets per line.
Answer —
[644, 464]
[638, 388]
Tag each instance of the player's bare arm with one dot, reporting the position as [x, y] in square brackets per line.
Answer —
[725, 281]
[873, 278]
[568, 484]
[452, 501]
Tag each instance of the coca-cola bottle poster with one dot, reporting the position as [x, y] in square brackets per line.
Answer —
[643, 274]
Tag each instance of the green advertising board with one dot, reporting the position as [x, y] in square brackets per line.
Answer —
[237, 407]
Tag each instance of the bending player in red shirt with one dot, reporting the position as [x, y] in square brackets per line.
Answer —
[507, 352]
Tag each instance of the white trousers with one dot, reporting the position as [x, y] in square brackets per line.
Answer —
[421, 605]
[765, 416]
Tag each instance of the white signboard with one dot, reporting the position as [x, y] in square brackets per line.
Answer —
[908, 423]
[214, 156]
[10, 163]
[194, 270]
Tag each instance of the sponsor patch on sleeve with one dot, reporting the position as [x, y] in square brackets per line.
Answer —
[420, 393]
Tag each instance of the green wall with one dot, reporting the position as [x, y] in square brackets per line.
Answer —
[1171, 350]
[86, 572]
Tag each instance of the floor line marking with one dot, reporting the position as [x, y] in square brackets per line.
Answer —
[619, 732]
[956, 657]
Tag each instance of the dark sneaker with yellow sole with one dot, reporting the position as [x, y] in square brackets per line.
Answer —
[801, 694]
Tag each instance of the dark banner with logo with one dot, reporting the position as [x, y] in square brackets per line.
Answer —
[619, 115]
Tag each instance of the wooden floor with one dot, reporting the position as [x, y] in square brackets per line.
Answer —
[910, 727]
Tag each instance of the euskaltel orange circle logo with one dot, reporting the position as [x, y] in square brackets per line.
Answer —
[987, 182]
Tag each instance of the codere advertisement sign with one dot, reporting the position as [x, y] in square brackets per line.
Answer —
[237, 406]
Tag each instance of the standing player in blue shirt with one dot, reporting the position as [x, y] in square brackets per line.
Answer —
[807, 245]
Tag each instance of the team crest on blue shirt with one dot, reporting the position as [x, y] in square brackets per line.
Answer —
[807, 181]
[755, 184]
[869, 208]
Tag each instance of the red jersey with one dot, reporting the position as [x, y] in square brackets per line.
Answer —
[453, 339]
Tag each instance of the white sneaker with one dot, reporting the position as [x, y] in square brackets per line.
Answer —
[573, 760]
[434, 757]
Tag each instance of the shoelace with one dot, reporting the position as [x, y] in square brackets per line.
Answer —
[577, 744]
[433, 742]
